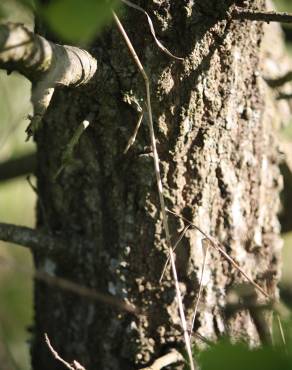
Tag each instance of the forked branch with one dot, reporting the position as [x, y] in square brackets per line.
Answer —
[40, 241]
[36, 240]
[33, 56]
[44, 63]
[75, 365]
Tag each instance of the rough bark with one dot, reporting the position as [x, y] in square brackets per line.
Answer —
[219, 162]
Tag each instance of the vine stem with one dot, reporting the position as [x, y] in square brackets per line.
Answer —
[160, 188]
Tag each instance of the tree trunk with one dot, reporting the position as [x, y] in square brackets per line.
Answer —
[219, 167]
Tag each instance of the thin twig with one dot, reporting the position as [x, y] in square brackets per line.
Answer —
[67, 156]
[36, 240]
[281, 330]
[170, 358]
[264, 16]
[74, 366]
[215, 244]
[85, 292]
[40, 241]
[202, 338]
[40, 201]
[284, 96]
[205, 248]
[174, 248]
[159, 44]
[160, 188]
[75, 288]
[133, 137]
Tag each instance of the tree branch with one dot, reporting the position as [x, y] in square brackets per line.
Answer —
[44, 63]
[36, 240]
[264, 16]
[280, 81]
[85, 292]
[43, 242]
[170, 358]
[35, 57]
[17, 167]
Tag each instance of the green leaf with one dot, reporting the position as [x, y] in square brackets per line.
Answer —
[225, 356]
[78, 20]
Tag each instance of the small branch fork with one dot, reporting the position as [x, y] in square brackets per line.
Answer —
[216, 245]
[73, 366]
[45, 64]
[33, 56]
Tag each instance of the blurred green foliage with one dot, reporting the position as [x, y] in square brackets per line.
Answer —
[78, 20]
[227, 356]
[75, 21]
[283, 5]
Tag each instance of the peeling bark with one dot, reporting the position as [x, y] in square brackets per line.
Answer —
[219, 162]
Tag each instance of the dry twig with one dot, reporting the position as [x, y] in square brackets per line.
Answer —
[75, 364]
[133, 137]
[158, 43]
[75, 288]
[160, 188]
[85, 292]
[67, 155]
[216, 245]
[205, 244]
[174, 248]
